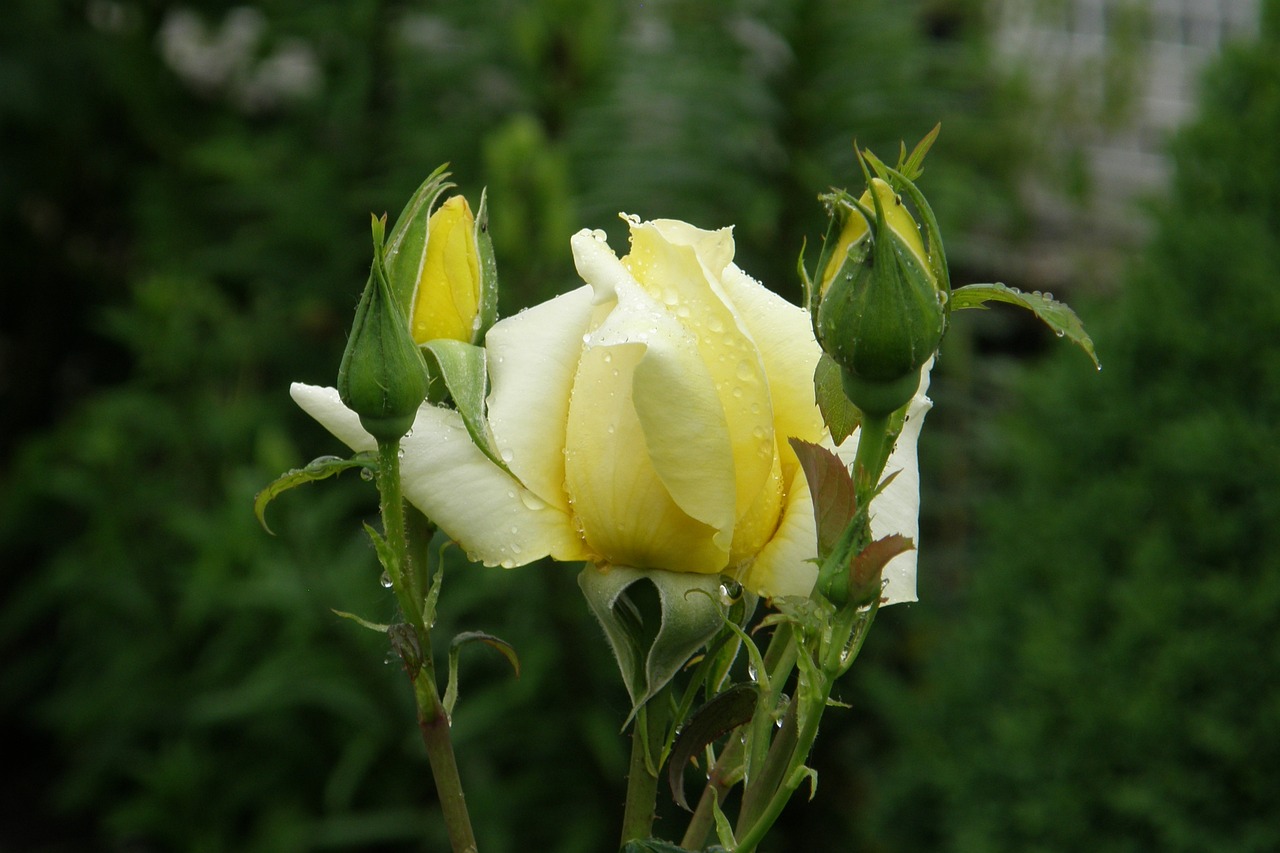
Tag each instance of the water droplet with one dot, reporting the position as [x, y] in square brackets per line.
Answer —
[755, 408]
[532, 501]
[366, 473]
[737, 392]
[745, 372]
[716, 325]
[385, 580]
[611, 429]
[608, 357]
[515, 549]
[759, 432]
[514, 530]
[507, 455]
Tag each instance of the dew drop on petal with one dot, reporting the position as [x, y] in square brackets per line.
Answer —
[532, 501]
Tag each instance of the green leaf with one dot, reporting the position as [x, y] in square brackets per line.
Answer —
[721, 715]
[648, 654]
[724, 831]
[834, 498]
[387, 555]
[360, 620]
[840, 416]
[455, 647]
[317, 469]
[1056, 315]
[463, 369]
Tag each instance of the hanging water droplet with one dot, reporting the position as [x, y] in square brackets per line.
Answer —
[507, 455]
[532, 501]
[366, 474]
[385, 580]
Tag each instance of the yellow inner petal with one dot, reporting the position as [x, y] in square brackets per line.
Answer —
[448, 294]
[674, 277]
[627, 515]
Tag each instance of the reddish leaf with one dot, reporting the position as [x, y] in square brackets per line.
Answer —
[864, 580]
[834, 501]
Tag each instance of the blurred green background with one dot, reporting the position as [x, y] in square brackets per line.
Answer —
[1095, 661]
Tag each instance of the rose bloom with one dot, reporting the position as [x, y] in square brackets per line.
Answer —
[646, 419]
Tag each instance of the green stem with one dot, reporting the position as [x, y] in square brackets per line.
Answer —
[763, 789]
[393, 528]
[719, 781]
[433, 722]
[805, 736]
[647, 736]
[873, 452]
[839, 657]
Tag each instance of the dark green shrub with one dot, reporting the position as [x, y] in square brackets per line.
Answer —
[1111, 680]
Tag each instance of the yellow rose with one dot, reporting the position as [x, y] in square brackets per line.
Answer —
[646, 419]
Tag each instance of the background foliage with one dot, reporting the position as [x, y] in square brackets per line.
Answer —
[184, 201]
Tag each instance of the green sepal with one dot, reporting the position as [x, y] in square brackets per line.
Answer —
[406, 248]
[455, 647]
[462, 368]
[1054, 314]
[320, 468]
[650, 655]
[841, 416]
[719, 716]
[488, 314]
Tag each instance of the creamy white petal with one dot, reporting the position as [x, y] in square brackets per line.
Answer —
[326, 407]
[495, 519]
[533, 357]
[446, 476]
[897, 508]
[785, 564]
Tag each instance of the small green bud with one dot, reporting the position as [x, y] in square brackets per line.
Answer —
[881, 307]
[382, 378]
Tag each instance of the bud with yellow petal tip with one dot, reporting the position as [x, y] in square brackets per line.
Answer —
[383, 377]
[440, 265]
[879, 305]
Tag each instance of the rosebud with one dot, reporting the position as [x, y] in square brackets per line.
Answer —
[382, 378]
[881, 308]
[440, 266]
